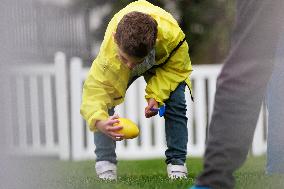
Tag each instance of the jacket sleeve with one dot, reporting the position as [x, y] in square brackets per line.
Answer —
[95, 98]
[168, 76]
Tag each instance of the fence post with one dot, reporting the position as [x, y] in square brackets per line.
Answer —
[76, 120]
[5, 98]
[200, 115]
[62, 106]
[258, 144]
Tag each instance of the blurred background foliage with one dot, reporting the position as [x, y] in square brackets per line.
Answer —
[206, 23]
[36, 29]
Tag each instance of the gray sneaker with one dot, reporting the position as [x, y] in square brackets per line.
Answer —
[177, 171]
[106, 170]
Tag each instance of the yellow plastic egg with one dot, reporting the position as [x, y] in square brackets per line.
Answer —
[129, 128]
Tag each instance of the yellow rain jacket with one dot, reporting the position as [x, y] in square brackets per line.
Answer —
[107, 80]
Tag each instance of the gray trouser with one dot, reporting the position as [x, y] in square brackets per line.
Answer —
[241, 88]
[275, 102]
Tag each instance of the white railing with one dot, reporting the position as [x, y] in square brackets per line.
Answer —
[39, 123]
[151, 142]
[36, 104]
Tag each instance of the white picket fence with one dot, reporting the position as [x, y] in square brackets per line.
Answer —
[36, 104]
[47, 98]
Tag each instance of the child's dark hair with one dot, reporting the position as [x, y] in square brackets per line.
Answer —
[136, 34]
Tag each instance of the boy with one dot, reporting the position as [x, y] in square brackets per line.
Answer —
[141, 39]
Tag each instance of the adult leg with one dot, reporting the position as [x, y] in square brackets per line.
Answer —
[240, 90]
[275, 99]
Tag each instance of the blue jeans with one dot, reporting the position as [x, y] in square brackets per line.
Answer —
[175, 126]
[275, 102]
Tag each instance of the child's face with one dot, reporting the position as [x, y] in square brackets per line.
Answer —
[129, 61]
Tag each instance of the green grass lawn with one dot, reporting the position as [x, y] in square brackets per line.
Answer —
[148, 174]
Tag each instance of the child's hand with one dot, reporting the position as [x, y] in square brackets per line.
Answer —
[108, 129]
[152, 104]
